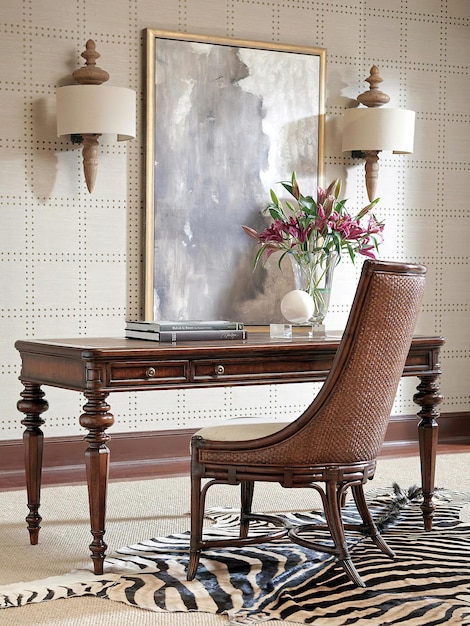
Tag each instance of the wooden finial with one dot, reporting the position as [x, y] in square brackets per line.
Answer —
[90, 159]
[90, 73]
[374, 97]
[371, 173]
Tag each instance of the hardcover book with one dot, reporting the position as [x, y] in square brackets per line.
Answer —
[185, 335]
[168, 325]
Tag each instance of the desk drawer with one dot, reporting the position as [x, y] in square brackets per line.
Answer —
[253, 370]
[149, 372]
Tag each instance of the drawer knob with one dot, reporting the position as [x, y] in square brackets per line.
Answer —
[219, 369]
[150, 373]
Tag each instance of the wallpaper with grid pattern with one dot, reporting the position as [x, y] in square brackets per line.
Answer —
[71, 262]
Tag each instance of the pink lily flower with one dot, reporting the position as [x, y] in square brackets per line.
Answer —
[322, 226]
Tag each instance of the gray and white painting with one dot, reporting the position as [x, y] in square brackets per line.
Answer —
[230, 123]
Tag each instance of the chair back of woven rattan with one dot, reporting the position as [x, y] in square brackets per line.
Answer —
[347, 420]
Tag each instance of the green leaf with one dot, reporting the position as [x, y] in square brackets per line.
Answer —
[290, 206]
[289, 187]
[274, 198]
[281, 257]
[258, 256]
[351, 252]
[308, 204]
[274, 213]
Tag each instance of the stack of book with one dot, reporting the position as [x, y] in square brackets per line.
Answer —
[197, 330]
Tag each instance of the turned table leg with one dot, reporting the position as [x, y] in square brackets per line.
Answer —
[96, 419]
[32, 405]
[428, 398]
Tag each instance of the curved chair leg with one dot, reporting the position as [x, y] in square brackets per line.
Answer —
[352, 572]
[332, 505]
[372, 530]
[197, 520]
[247, 490]
[192, 565]
[332, 499]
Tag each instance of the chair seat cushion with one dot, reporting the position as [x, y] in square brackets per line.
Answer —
[241, 429]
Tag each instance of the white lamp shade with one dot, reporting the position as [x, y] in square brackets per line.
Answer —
[378, 129]
[96, 109]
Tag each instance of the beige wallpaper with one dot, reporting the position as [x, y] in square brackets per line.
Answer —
[71, 262]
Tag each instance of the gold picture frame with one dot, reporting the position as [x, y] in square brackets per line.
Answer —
[226, 120]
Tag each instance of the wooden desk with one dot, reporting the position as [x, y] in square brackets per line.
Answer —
[99, 366]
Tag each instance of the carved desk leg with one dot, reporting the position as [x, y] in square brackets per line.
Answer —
[428, 398]
[32, 405]
[96, 419]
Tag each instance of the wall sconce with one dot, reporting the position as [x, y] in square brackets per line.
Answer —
[88, 110]
[367, 131]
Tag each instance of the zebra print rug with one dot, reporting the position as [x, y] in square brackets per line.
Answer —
[427, 583]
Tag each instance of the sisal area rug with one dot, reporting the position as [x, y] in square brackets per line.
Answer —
[427, 583]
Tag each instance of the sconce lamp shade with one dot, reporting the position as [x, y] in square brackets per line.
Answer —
[378, 129]
[371, 129]
[96, 109]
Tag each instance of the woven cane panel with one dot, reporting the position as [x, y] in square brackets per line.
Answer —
[71, 262]
[350, 425]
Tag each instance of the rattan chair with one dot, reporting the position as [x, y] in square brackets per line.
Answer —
[333, 445]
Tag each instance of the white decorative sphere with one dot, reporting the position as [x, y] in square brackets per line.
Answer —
[297, 306]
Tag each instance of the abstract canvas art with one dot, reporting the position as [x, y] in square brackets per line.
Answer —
[227, 121]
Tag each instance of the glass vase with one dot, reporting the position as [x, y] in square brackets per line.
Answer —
[313, 273]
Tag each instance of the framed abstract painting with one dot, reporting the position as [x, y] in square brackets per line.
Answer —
[226, 121]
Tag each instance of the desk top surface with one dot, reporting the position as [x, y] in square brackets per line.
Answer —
[256, 340]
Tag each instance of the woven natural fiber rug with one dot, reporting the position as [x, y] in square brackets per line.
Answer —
[427, 583]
